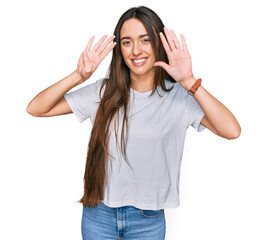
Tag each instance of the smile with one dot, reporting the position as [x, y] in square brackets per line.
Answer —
[139, 61]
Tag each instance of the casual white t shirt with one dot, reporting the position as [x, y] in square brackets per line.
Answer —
[157, 129]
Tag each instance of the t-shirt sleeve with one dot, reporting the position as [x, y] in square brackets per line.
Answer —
[194, 114]
[82, 100]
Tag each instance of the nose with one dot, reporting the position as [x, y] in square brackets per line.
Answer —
[137, 49]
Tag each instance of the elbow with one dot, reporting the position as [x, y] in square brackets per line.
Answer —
[28, 110]
[235, 134]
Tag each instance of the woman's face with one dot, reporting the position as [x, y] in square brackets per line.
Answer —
[136, 48]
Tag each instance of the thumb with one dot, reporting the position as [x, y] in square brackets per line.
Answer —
[163, 65]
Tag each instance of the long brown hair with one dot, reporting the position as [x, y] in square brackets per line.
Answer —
[116, 97]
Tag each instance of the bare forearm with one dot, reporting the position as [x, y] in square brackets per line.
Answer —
[48, 98]
[218, 115]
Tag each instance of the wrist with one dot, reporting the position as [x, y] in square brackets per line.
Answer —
[187, 83]
[76, 77]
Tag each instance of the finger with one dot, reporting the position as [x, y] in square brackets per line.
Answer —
[169, 38]
[165, 44]
[176, 40]
[97, 45]
[106, 52]
[184, 45]
[80, 61]
[163, 65]
[105, 44]
[85, 58]
[90, 43]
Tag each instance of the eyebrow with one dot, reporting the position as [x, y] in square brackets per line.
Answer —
[141, 36]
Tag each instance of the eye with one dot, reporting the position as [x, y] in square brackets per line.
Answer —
[126, 43]
[146, 40]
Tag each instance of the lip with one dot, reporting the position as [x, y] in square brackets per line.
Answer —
[137, 64]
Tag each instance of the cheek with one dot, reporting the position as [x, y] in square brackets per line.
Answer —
[151, 52]
[125, 52]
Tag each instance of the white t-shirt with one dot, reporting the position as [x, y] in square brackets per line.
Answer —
[157, 129]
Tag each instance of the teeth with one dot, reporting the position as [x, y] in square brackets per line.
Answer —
[139, 61]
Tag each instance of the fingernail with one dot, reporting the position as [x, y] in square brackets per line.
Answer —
[114, 36]
[160, 33]
[84, 52]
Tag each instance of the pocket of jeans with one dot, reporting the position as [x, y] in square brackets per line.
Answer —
[151, 213]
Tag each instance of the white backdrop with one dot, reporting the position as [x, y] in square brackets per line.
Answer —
[223, 182]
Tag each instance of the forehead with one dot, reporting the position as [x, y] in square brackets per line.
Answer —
[132, 28]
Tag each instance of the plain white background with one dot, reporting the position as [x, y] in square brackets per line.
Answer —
[223, 182]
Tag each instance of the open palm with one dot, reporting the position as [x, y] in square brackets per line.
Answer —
[180, 63]
[91, 58]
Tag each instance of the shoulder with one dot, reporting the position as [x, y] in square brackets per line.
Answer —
[175, 86]
[89, 91]
[93, 87]
[178, 93]
[96, 84]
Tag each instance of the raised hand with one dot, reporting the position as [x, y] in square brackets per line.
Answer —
[180, 64]
[91, 58]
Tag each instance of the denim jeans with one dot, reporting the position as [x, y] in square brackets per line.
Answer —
[128, 222]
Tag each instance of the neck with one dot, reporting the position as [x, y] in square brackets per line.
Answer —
[142, 83]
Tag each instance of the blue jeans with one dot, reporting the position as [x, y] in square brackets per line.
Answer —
[128, 222]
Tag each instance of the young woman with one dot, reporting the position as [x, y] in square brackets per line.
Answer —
[140, 113]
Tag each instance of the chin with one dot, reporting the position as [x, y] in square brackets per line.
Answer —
[142, 71]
